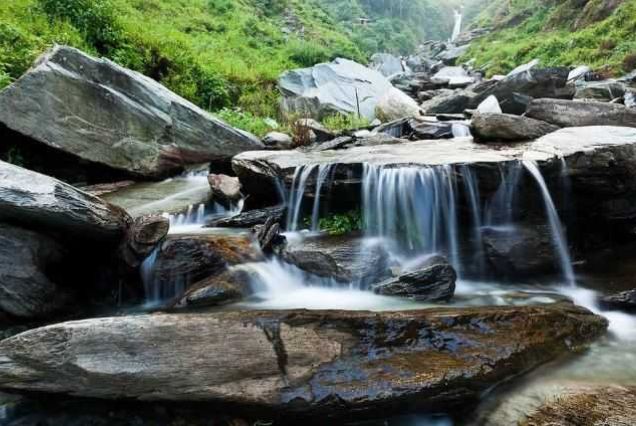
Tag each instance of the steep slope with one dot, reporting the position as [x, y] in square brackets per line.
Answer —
[599, 33]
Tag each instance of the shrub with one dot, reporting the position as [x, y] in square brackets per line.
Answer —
[301, 133]
[341, 224]
[340, 122]
[95, 19]
[307, 54]
[629, 63]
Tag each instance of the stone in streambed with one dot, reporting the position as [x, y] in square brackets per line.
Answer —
[144, 235]
[249, 218]
[564, 113]
[297, 363]
[46, 204]
[395, 104]
[98, 111]
[624, 301]
[431, 281]
[228, 287]
[26, 258]
[508, 127]
[226, 190]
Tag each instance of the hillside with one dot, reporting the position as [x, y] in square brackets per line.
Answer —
[598, 33]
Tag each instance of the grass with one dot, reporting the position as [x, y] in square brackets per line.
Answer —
[341, 122]
[562, 36]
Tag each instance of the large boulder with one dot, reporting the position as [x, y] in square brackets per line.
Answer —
[395, 104]
[453, 77]
[448, 103]
[98, 111]
[508, 127]
[516, 90]
[43, 203]
[566, 113]
[226, 190]
[307, 363]
[228, 287]
[26, 258]
[603, 91]
[329, 88]
[432, 281]
[389, 65]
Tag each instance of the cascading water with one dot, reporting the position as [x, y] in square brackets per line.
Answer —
[557, 232]
[298, 191]
[472, 194]
[460, 130]
[457, 28]
[500, 209]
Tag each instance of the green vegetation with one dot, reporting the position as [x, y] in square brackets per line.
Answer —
[341, 224]
[247, 121]
[216, 53]
[598, 33]
[340, 122]
[396, 26]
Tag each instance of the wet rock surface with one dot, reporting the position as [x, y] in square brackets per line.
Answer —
[249, 218]
[432, 280]
[624, 301]
[103, 113]
[292, 362]
[227, 287]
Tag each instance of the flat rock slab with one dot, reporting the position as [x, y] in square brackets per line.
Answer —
[297, 362]
[171, 196]
[41, 202]
[101, 112]
[428, 153]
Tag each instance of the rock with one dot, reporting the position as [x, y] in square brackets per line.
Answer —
[188, 259]
[322, 133]
[453, 103]
[508, 127]
[520, 252]
[587, 405]
[331, 88]
[101, 189]
[337, 143]
[347, 258]
[395, 104]
[579, 73]
[630, 99]
[268, 234]
[248, 218]
[516, 90]
[624, 301]
[565, 113]
[278, 140]
[387, 64]
[396, 128]
[629, 79]
[49, 205]
[490, 105]
[26, 259]
[454, 77]
[172, 196]
[297, 363]
[226, 190]
[143, 237]
[430, 129]
[98, 111]
[603, 91]
[433, 281]
[524, 68]
[228, 287]
[450, 56]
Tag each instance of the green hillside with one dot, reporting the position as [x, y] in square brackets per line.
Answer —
[599, 33]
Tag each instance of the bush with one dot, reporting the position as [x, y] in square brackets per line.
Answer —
[341, 224]
[307, 54]
[95, 19]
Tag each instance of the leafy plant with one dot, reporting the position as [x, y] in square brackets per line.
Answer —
[341, 224]
[340, 122]
[245, 121]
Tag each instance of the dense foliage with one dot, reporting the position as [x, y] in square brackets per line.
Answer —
[599, 33]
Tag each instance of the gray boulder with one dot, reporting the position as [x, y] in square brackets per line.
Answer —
[565, 113]
[316, 263]
[226, 190]
[516, 90]
[508, 127]
[603, 91]
[624, 301]
[318, 364]
[278, 140]
[329, 88]
[25, 289]
[43, 203]
[228, 287]
[448, 103]
[433, 281]
[395, 104]
[454, 77]
[100, 112]
[387, 64]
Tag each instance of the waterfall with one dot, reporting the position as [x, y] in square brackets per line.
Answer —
[458, 25]
[460, 130]
[156, 295]
[414, 208]
[558, 235]
[298, 190]
[500, 210]
[472, 194]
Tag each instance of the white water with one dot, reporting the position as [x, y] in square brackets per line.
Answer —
[457, 28]
[558, 234]
[460, 130]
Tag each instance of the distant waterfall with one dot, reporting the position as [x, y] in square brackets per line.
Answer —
[458, 25]
[558, 234]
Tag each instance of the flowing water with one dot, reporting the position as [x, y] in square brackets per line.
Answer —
[457, 28]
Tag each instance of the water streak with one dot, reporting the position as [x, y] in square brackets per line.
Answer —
[557, 232]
